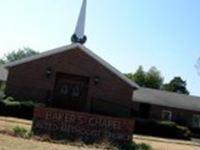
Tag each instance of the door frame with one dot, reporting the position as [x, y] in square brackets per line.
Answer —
[60, 75]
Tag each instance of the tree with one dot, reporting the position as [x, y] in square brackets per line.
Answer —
[178, 85]
[2, 62]
[153, 78]
[19, 54]
[138, 76]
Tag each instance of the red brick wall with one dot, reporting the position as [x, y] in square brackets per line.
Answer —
[29, 81]
[178, 115]
[181, 116]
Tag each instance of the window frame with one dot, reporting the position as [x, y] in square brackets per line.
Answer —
[168, 112]
[196, 124]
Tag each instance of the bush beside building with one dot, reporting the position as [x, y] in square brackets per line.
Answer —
[165, 129]
[19, 109]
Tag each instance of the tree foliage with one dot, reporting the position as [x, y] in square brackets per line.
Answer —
[150, 79]
[138, 76]
[2, 62]
[178, 85]
[19, 54]
[153, 79]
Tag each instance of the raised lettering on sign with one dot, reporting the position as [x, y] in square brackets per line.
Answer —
[61, 124]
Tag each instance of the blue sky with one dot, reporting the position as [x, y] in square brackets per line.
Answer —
[161, 33]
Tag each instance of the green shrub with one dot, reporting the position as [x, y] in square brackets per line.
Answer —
[143, 146]
[21, 132]
[2, 95]
[195, 132]
[20, 109]
[9, 99]
[164, 129]
[2, 86]
[131, 146]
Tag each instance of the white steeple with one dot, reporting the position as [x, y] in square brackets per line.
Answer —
[78, 36]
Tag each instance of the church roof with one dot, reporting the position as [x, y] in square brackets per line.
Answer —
[71, 47]
[167, 99]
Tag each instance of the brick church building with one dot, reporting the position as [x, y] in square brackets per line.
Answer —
[71, 77]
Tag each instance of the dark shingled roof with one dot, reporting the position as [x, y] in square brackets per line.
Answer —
[168, 99]
[3, 74]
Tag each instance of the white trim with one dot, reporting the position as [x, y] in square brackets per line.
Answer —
[3, 74]
[196, 120]
[41, 55]
[71, 47]
[168, 112]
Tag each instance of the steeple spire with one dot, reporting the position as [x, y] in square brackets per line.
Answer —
[78, 36]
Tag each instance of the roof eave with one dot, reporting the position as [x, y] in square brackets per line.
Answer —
[73, 46]
[41, 55]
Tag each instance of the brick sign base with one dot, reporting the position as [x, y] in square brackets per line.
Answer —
[61, 124]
